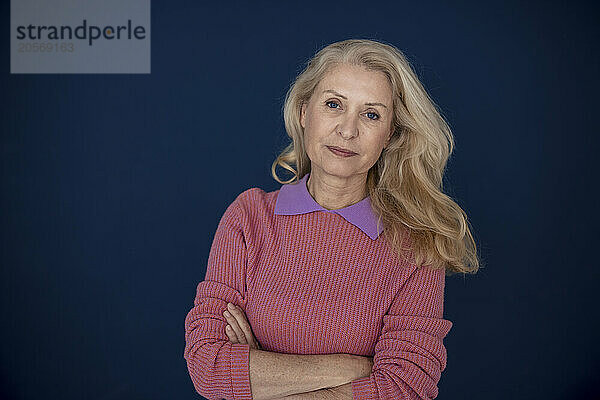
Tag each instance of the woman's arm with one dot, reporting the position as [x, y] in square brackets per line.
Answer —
[277, 375]
[335, 393]
[329, 368]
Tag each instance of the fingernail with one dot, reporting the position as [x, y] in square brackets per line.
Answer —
[226, 314]
[230, 306]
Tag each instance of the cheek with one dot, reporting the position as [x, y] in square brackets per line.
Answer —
[376, 147]
[315, 129]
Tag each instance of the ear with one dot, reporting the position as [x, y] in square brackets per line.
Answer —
[303, 114]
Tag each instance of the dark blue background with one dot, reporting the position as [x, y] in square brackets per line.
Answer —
[113, 185]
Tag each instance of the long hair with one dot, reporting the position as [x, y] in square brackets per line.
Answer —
[405, 184]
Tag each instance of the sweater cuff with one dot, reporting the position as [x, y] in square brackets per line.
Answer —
[363, 388]
[240, 371]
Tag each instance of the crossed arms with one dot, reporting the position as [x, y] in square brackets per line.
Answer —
[409, 352]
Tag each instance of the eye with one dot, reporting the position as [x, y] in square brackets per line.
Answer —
[331, 102]
[373, 116]
[376, 116]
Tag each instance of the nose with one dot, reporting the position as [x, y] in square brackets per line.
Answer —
[348, 126]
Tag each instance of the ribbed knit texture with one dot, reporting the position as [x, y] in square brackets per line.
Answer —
[315, 284]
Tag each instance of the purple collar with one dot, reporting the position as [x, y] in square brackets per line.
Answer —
[294, 198]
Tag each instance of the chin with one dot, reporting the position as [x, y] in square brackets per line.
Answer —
[339, 171]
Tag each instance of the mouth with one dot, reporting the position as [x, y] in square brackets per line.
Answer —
[340, 151]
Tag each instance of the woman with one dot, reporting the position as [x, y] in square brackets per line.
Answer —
[339, 274]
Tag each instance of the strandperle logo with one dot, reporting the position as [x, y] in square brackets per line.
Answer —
[80, 36]
[81, 32]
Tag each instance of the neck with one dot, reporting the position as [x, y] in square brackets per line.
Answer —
[333, 192]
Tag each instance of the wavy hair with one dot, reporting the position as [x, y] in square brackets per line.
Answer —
[405, 184]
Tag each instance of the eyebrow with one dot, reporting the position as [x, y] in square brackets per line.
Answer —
[345, 98]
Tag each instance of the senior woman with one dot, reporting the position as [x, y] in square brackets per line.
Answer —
[333, 285]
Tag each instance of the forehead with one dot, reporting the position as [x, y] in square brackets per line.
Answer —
[359, 82]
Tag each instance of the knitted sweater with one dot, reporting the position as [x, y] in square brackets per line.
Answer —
[315, 281]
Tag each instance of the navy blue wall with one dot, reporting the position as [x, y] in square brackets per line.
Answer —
[113, 185]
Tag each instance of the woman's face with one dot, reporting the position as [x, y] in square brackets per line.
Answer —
[351, 108]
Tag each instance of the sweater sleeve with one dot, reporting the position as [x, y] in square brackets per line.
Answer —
[218, 368]
[409, 353]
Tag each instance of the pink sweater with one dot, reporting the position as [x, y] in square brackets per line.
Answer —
[315, 281]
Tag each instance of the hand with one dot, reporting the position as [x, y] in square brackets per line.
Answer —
[363, 366]
[238, 329]
[370, 365]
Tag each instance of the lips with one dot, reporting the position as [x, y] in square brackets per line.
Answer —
[342, 149]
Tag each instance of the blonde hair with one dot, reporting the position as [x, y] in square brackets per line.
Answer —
[405, 184]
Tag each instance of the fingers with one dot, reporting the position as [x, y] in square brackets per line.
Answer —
[237, 320]
[234, 330]
[240, 328]
[231, 334]
[243, 331]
